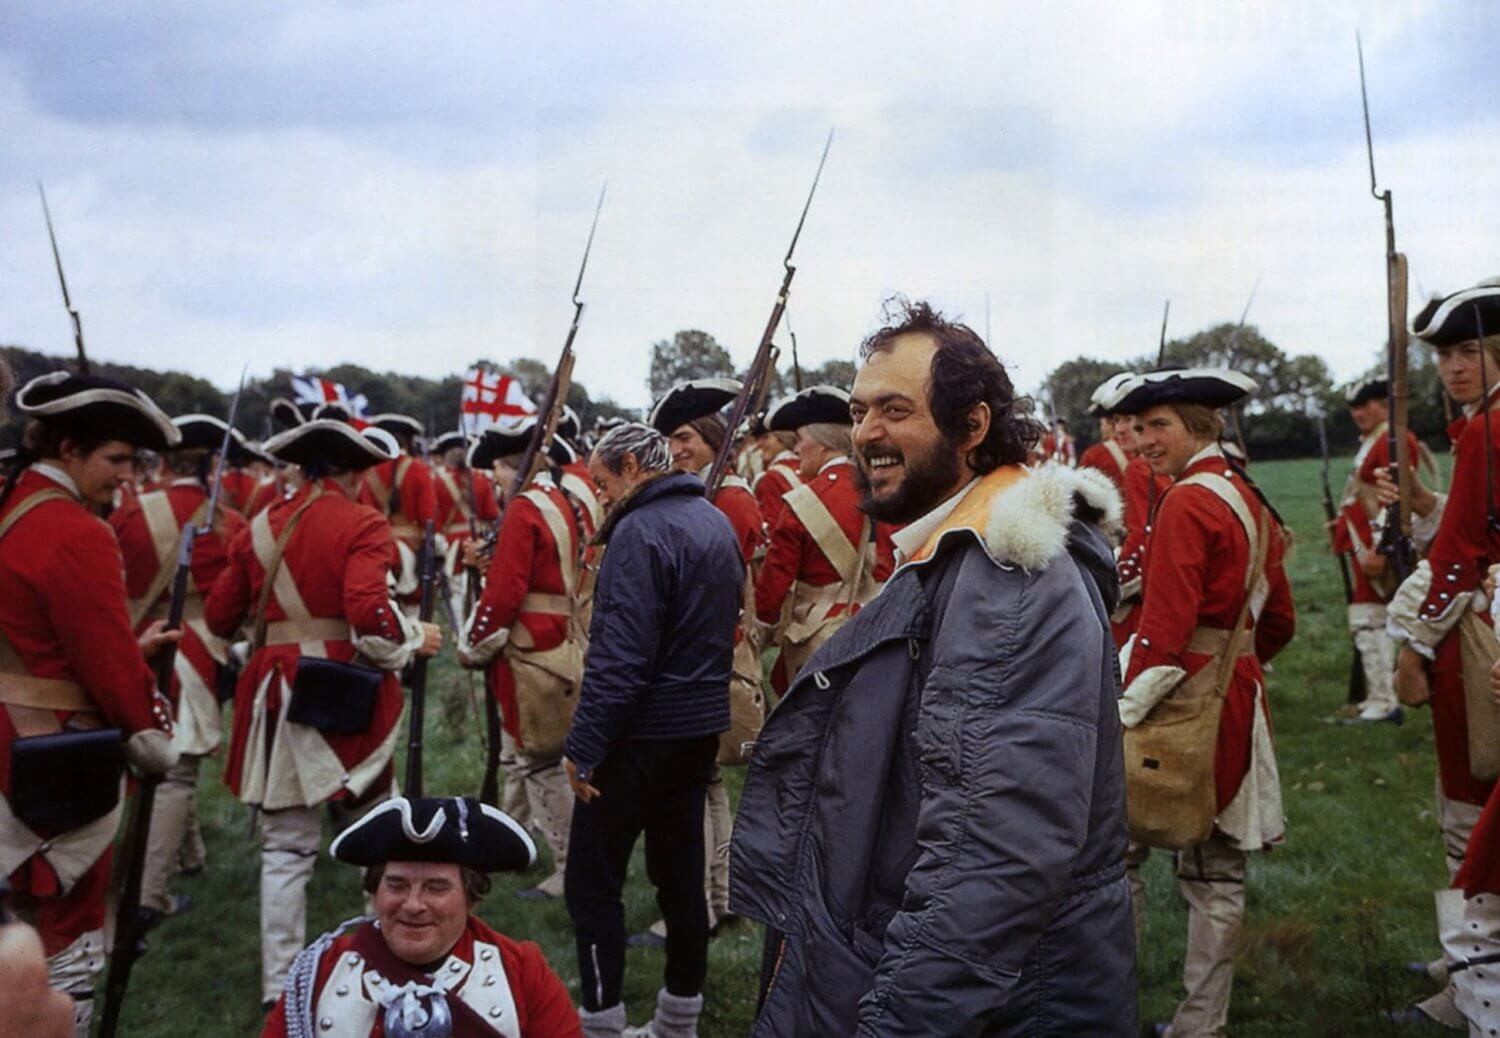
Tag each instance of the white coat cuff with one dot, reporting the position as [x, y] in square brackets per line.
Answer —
[1150, 687]
[387, 654]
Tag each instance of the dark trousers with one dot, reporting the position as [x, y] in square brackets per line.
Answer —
[656, 788]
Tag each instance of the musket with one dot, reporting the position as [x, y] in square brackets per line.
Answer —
[427, 564]
[531, 461]
[1161, 346]
[758, 377]
[1357, 689]
[1395, 539]
[796, 364]
[83, 358]
[130, 928]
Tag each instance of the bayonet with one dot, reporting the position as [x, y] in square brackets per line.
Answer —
[1395, 541]
[1161, 346]
[1232, 356]
[758, 377]
[83, 357]
[796, 364]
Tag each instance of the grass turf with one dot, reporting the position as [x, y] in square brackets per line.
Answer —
[1333, 914]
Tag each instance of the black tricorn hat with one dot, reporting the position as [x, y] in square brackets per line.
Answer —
[446, 442]
[285, 414]
[1450, 320]
[332, 411]
[561, 451]
[1365, 390]
[1210, 387]
[242, 451]
[327, 442]
[815, 405]
[452, 830]
[205, 432]
[499, 442]
[91, 405]
[690, 400]
[396, 424]
[1108, 394]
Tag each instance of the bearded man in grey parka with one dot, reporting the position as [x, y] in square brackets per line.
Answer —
[933, 824]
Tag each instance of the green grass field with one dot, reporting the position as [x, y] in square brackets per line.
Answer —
[1333, 914]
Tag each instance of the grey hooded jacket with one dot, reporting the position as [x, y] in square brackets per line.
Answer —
[933, 821]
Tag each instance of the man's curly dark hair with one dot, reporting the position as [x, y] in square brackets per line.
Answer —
[964, 373]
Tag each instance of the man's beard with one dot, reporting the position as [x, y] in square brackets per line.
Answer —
[929, 478]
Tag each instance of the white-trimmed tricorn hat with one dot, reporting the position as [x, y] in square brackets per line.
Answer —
[815, 405]
[1108, 394]
[1450, 320]
[285, 414]
[500, 441]
[1210, 387]
[446, 442]
[95, 406]
[451, 830]
[691, 400]
[396, 424]
[1362, 391]
[326, 441]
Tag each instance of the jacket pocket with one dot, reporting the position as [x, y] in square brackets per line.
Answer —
[940, 724]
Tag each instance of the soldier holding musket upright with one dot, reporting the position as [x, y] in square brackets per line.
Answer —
[1356, 531]
[1439, 616]
[77, 699]
[150, 530]
[525, 631]
[401, 489]
[466, 508]
[1200, 767]
[317, 705]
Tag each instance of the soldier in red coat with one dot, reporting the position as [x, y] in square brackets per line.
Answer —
[781, 472]
[826, 557]
[77, 698]
[1354, 533]
[423, 962]
[688, 414]
[311, 723]
[1216, 605]
[1110, 456]
[402, 489]
[525, 631]
[466, 508]
[150, 530]
[1438, 614]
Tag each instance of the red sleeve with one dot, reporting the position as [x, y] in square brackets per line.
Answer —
[485, 505]
[738, 506]
[768, 490]
[1173, 582]
[509, 575]
[228, 602]
[543, 1004]
[367, 597]
[1277, 622]
[98, 642]
[1460, 549]
[779, 570]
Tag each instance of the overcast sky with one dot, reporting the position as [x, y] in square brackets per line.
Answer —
[408, 186]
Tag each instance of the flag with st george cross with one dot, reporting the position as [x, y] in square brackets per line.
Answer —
[491, 399]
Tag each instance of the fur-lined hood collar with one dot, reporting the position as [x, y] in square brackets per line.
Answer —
[1021, 516]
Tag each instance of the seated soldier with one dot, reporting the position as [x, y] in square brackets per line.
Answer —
[424, 964]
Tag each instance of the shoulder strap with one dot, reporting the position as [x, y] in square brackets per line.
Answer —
[41, 497]
[567, 550]
[460, 501]
[378, 490]
[270, 553]
[584, 494]
[1118, 453]
[165, 537]
[1226, 491]
[824, 530]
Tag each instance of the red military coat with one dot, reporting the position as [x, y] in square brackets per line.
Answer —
[505, 987]
[1353, 530]
[781, 475]
[1195, 569]
[266, 493]
[1109, 458]
[737, 503]
[579, 487]
[239, 484]
[528, 563]
[794, 556]
[146, 549]
[407, 482]
[337, 558]
[63, 615]
[462, 494]
[1141, 491]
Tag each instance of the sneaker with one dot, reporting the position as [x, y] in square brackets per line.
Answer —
[646, 939]
[534, 894]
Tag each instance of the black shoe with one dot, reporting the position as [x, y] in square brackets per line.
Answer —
[645, 940]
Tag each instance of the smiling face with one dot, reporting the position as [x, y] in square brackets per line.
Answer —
[906, 466]
[690, 451]
[1165, 441]
[422, 909]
